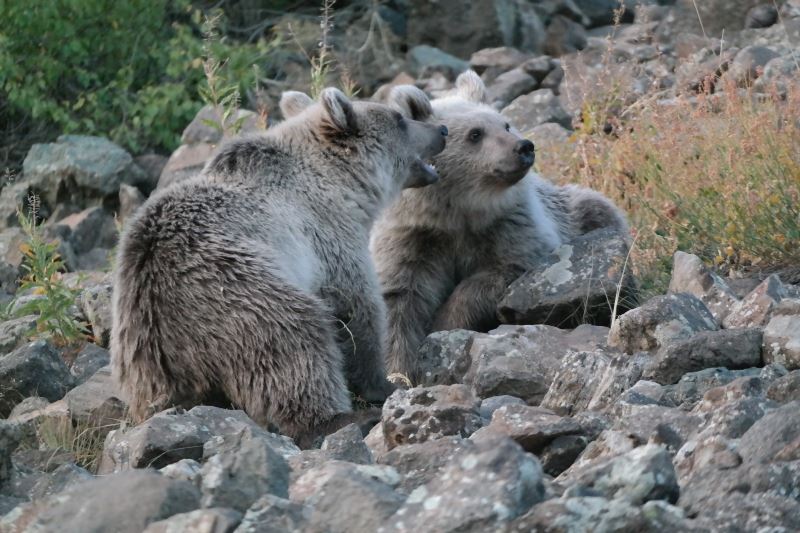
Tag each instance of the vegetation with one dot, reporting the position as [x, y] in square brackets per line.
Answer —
[84, 439]
[44, 280]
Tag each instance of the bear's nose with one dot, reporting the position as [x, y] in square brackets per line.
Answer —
[524, 147]
[443, 130]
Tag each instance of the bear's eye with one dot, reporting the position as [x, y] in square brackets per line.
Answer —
[475, 135]
[508, 126]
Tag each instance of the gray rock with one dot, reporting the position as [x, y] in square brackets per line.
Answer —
[96, 505]
[564, 37]
[751, 512]
[95, 302]
[347, 444]
[474, 26]
[34, 369]
[509, 85]
[782, 341]
[186, 470]
[493, 403]
[574, 285]
[549, 135]
[703, 69]
[735, 417]
[522, 361]
[15, 332]
[785, 389]
[443, 357]
[782, 426]
[89, 360]
[186, 161]
[592, 380]
[83, 169]
[130, 199]
[533, 428]
[91, 228]
[28, 405]
[560, 454]
[271, 514]
[756, 308]
[491, 62]
[238, 476]
[482, 490]
[425, 60]
[690, 275]
[200, 131]
[661, 321]
[601, 12]
[98, 401]
[538, 107]
[425, 413]
[692, 386]
[10, 437]
[761, 16]
[172, 435]
[640, 475]
[656, 424]
[200, 521]
[61, 479]
[609, 443]
[336, 486]
[152, 165]
[422, 462]
[539, 67]
[733, 349]
[701, 454]
[749, 63]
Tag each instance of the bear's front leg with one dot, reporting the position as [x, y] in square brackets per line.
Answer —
[473, 303]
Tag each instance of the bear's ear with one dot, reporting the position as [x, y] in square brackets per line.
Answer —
[341, 115]
[293, 103]
[411, 102]
[470, 86]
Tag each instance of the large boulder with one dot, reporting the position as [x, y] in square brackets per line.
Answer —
[36, 369]
[533, 109]
[577, 284]
[782, 341]
[690, 275]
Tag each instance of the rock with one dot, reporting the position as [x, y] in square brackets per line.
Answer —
[701, 454]
[785, 389]
[717, 15]
[28, 405]
[491, 62]
[656, 424]
[538, 107]
[483, 489]
[337, 486]
[34, 369]
[89, 360]
[271, 514]
[10, 437]
[424, 60]
[601, 12]
[96, 505]
[79, 169]
[564, 37]
[509, 85]
[98, 401]
[474, 26]
[640, 475]
[661, 321]
[692, 386]
[609, 443]
[172, 435]
[443, 357]
[553, 81]
[95, 303]
[591, 380]
[690, 275]
[761, 16]
[493, 403]
[238, 476]
[549, 135]
[790, 9]
[347, 444]
[186, 470]
[749, 63]
[562, 453]
[187, 161]
[425, 413]
[775, 437]
[91, 228]
[584, 513]
[14, 333]
[574, 285]
[703, 69]
[539, 67]
[200, 521]
[756, 308]
[201, 130]
[523, 360]
[782, 341]
[533, 428]
[152, 165]
[422, 462]
[733, 349]
[130, 199]
[751, 512]
[63, 478]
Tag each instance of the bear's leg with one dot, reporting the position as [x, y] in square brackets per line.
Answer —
[590, 210]
[473, 303]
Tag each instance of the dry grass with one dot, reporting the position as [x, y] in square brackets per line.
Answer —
[84, 439]
[719, 177]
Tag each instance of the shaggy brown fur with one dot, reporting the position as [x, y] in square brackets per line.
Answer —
[252, 284]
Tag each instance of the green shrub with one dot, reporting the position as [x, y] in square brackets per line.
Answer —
[127, 70]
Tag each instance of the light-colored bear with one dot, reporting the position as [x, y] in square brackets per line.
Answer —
[252, 284]
[446, 254]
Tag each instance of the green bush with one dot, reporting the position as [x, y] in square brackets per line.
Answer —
[126, 70]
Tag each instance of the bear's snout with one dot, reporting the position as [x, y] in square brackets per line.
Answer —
[526, 151]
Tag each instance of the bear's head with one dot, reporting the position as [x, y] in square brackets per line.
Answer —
[485, 155]
[373, 136]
